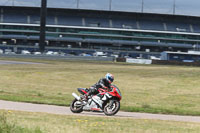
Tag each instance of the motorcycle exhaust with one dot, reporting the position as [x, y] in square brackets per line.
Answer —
[76, 96]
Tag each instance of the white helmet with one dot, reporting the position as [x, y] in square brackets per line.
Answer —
[109, 77]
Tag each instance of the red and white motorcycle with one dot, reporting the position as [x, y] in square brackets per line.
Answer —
[106, 101]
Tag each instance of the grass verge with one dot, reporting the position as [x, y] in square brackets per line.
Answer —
[7, 126]
[49, 123]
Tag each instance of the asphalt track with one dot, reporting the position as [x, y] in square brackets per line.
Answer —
[61, 110]
[3, 62]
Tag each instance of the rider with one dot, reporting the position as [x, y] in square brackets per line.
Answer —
[104, 83]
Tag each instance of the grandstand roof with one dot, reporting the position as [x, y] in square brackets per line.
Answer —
[186, 7]
[122, 14]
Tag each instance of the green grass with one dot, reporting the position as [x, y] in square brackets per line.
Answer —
[49, 123]
[145, 88]
[7, 126]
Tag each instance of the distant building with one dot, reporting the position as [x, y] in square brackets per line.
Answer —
[191, 56]
[84, 31]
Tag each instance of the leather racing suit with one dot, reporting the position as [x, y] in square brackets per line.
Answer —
[102, 83]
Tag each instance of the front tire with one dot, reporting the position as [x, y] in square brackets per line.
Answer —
[111, 109]
[76, 106]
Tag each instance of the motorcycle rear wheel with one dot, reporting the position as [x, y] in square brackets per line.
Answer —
[111, 109]
[75, 107]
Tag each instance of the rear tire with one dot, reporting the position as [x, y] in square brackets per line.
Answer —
[76, 107]
[111, 109]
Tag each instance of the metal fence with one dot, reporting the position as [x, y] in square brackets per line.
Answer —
[52, 57]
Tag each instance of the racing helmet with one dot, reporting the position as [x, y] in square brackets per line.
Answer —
[109, 77]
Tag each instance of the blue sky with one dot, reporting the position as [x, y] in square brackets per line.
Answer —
[183, 7]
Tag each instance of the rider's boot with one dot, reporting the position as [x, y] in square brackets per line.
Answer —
[84, 99]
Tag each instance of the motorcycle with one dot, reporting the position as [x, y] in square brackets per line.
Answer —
[105, 101]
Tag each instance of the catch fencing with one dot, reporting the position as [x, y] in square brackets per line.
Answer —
[56, 57]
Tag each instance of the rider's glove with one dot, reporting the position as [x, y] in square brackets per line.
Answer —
[106, 88]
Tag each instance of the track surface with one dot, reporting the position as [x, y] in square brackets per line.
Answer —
[3, 62]
[29, 107]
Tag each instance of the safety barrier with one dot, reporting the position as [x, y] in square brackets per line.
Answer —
[56, 57]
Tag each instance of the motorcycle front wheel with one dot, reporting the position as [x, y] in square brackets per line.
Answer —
[76, 106]
[112, 107]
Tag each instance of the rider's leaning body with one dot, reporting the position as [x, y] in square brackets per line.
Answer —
[103, 83]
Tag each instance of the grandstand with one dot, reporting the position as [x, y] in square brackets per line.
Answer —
[81, 30]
